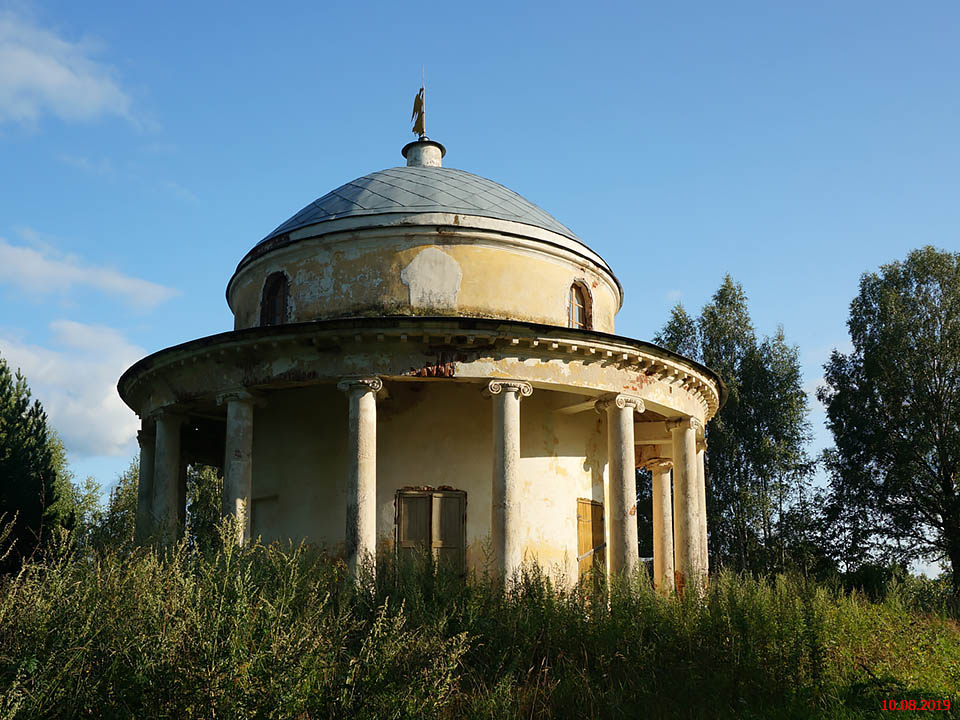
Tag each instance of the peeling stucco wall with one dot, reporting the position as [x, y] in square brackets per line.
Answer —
[300, 466]
[422, 273]
[428, 434]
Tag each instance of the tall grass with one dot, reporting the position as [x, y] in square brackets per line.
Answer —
[279, 632]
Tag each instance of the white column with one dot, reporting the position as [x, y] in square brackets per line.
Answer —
[166, 477]
[238, 460]
[686, 504]
[702, 505]
[147, 437]
[361, 530]
[621, 515]
[663, 566]
[506, 523]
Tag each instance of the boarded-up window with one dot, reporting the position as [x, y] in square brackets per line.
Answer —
[273, 303]
[591, 545]
[413, 520]
[433, 521]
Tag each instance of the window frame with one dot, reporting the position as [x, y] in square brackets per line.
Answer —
[274, 299]
[579, 290]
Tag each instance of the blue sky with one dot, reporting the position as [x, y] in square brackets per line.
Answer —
[145, 147]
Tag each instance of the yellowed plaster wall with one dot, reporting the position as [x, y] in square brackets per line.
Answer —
[432, 434]
[300, 467]
[563, 458]
[429, 433]
[386, 276]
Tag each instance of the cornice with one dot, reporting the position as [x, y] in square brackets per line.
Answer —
[525, 340]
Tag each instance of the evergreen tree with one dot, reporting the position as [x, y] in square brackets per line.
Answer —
[726, 341]
[893, 405]
[28, 478]
[757, 468]
[776, 430]
[679, 335]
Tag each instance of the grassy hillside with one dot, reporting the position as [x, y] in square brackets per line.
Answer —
[278, 632]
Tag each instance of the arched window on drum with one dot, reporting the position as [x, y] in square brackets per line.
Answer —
[273, 302]
[579, 308]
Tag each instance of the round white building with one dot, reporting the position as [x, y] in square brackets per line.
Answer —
[422, 359]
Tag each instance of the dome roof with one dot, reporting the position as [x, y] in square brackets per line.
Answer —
[421, 189]
[370, 247]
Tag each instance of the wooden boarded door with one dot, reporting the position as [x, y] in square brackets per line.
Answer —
[591, 545]
[413, 522]
[449, 529]
[433, 521]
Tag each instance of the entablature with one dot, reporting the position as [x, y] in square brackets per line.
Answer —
[412, 348]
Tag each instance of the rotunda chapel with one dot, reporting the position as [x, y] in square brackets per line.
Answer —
[424, 361]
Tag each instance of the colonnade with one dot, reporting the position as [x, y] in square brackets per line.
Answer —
[663, 558]
[679, 527]
[689, 504]
[161, 492]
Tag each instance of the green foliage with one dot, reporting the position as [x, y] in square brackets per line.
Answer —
[75, 508]
[774, 409]
[679, 335]
[757, 468]
[28, 466]
[113, 527]
[204, 507]
[279, 632]
[892, 406]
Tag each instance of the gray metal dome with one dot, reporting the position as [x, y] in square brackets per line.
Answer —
[421, 189]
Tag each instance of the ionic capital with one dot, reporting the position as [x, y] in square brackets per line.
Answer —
[687, 423]
[169, 413]
[620, 401]
[520, 387]
[360, 384]
[658, 464]
[235, 395]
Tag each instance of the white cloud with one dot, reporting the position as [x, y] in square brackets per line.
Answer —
[42, 73]
[97, 167]
[931, 569]
[41, 269]
[75, 381]
[182, 192]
